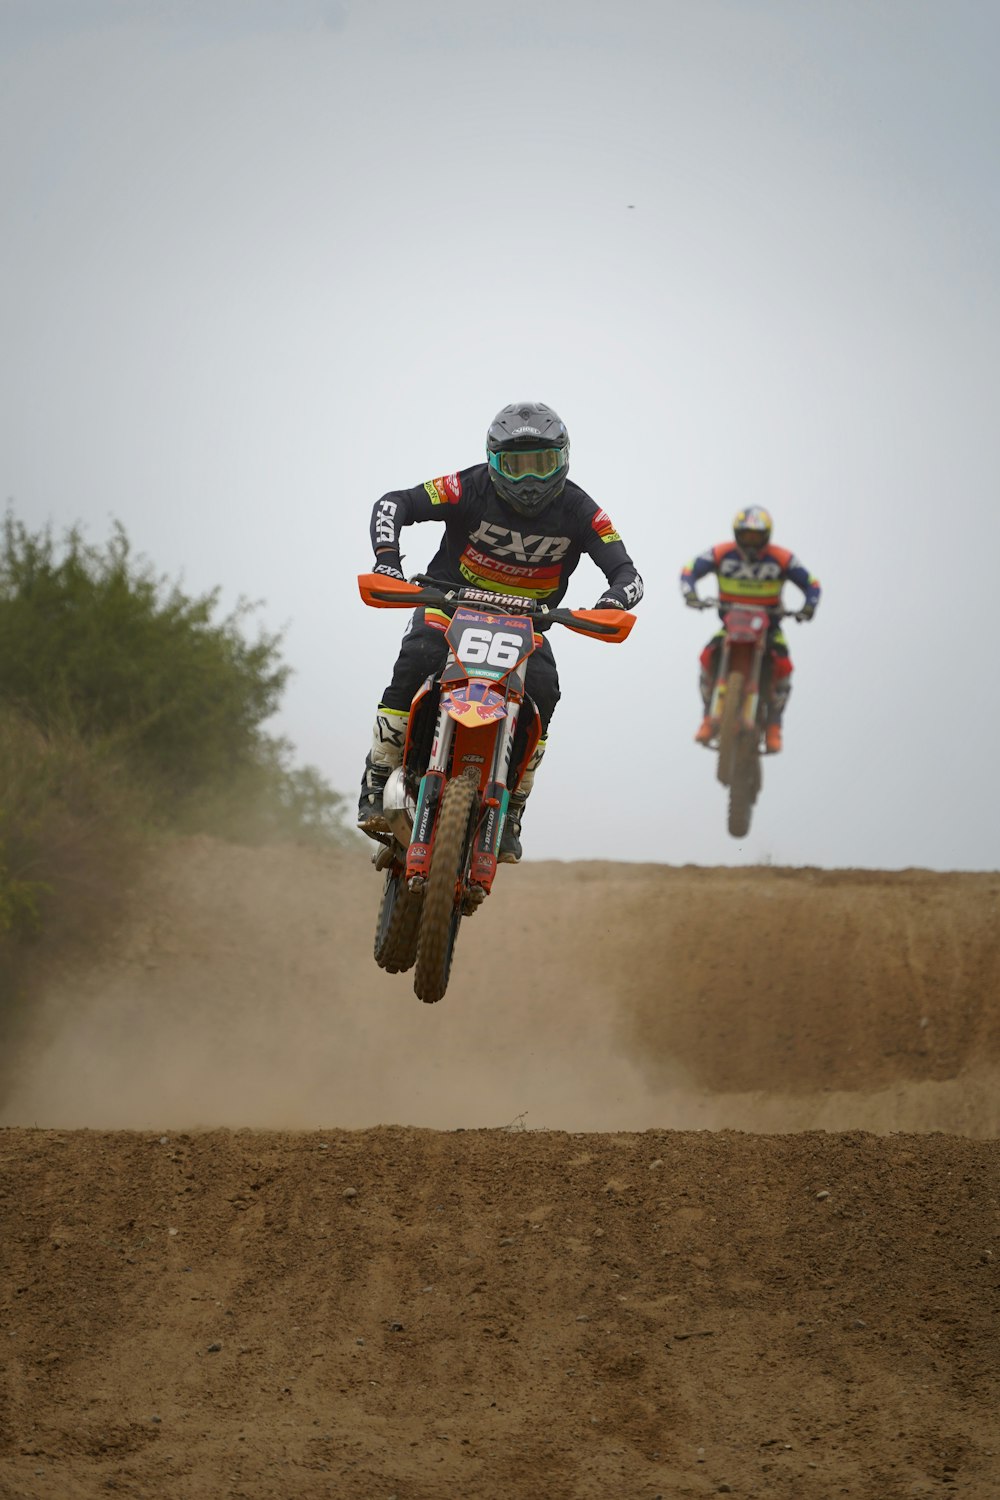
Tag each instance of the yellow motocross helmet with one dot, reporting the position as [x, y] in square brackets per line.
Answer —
[752, 529]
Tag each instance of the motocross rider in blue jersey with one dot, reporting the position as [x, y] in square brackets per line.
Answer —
[751, 570]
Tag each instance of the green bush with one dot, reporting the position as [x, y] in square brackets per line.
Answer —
[93, 642]
[125, 709]
[19, 914]
[69, 813]
[71, 829]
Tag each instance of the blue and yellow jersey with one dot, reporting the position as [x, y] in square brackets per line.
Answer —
[757, 582]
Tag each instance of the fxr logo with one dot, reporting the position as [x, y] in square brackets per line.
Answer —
[385, 522]
[759, 572]
[502, 542]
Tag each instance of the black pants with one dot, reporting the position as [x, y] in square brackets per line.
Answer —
[424, 651]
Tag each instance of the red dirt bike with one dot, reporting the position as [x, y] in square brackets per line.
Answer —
[447, 802]
[738, 706]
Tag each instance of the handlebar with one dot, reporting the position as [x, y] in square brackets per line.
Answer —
[422, 591]
[452, 597]
[776, 611]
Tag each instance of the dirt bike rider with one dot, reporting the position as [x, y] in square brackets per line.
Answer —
[751, 570]
[514, 525]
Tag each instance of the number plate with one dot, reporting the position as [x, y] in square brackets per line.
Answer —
[489, 645]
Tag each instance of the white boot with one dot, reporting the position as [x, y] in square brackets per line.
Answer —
[510, 839]
[386, 753]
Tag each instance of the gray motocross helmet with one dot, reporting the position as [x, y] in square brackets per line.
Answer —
[527, 448]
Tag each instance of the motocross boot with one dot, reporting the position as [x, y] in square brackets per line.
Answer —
[510, 839]
[780, 693]
[370, 818]
[386, 753]
[706, 684]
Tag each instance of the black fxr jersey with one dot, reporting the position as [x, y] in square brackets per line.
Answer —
[488, 545]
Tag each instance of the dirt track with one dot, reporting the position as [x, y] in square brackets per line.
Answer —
[627, 1297]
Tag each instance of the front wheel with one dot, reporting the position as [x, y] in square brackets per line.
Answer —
[729, 727]
[442, 901]
[744, 785]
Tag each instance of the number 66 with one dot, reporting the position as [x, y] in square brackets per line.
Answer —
[488, 648]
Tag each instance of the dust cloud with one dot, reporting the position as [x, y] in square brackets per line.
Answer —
[749, 1268]
[241, 992]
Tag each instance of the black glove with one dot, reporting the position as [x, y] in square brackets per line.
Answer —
[390, 565]
[807, 611]
[608, 601]
[691, 599]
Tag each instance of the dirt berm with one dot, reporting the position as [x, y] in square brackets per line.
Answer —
[689, 1186]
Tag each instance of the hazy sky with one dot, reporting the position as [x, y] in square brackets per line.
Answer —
[263, 260]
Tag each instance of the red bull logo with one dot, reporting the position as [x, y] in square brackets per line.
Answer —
[475, 704]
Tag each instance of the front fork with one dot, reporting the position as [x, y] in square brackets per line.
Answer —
[493, 803]
[486, 845]
[751, 687]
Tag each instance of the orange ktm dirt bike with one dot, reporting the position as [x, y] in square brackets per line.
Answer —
[446, 804]
[739, 702]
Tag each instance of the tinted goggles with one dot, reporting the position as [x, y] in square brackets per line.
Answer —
[532, 463]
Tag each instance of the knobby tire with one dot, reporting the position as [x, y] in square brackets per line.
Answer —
[442, 895]
[744, 786]
[398, 927]
[732, 707]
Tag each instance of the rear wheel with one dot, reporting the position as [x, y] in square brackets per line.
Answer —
[442, 905]
[398, 925]
[729, 727]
